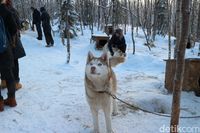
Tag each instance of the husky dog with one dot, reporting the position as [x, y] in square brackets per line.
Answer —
[100, 78]
[117, 58]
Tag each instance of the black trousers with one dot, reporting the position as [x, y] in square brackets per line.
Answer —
[47, 33]
[7, 73]
[48, 36]
[15, 71]
[39, 30]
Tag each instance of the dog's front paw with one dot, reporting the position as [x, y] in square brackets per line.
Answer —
[110, 131]
[96, 131]
[114, 113]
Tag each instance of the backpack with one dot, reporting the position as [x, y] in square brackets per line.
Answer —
[3, 36]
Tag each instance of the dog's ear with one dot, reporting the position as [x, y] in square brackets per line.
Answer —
[90, 56]
[104, 57]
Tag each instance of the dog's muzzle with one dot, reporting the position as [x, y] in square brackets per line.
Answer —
[93, 70]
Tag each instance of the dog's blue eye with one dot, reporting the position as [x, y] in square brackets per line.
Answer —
[99, 64]
[91, 64]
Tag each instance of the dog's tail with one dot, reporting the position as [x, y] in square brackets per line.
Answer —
[118, 57]
[115, 60]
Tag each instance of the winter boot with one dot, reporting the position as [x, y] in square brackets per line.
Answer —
[18, 86]
[10, 101]
[1, 105]
[39, 38]
[3, 84]
[48, 45]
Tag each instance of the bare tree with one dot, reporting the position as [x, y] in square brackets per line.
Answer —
[68, 37]
[79, 11]
[155, 15]
[125, 16]
[65, 19]
[198, 26]
[178, 25]
[132, 26]
[169, 27]
[138, 16]
[193, 21]
[180, 65]
[99, 15]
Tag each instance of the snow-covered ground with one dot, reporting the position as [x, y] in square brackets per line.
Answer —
[52, 99]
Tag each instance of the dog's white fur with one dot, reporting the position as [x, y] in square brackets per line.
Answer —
[99, 77]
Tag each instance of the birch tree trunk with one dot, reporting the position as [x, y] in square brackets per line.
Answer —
[132, 27]
[126, 17]
[113, 13]
[169, 29]
[68, 36]
[198, 26]
[99, 14]
[23, 10]
[138, 16]
[193, 21]
[180, 65]
[155, 21]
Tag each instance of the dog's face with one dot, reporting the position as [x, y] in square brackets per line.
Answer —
[97, 67]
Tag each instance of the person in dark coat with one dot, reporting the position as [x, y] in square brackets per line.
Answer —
[18, 50]
[45, 18]
[117, 41]
[6, 58]
[37, 22]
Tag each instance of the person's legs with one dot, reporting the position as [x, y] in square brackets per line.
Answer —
[50, 38]
[16, 70]
[10, 81]
[52, 41]
[16, 75]
[39, 31]
[46, 37]
[1, 102]
[1, 98]
[3, 81]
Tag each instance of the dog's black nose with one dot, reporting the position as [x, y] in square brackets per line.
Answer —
[93, 69]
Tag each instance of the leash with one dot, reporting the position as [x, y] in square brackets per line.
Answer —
[146, 111]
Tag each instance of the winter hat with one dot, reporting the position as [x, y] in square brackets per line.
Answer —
[32, 8]
[119, 31]
[9, 2]
[42, 9]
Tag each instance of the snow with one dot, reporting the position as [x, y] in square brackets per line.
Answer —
[52, 99]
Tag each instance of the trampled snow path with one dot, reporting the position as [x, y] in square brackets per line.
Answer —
[53, 98]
